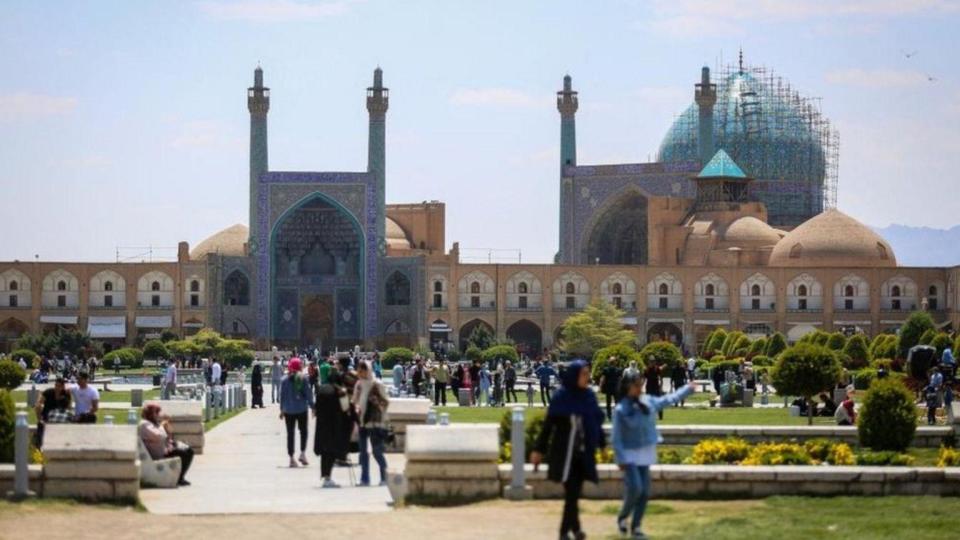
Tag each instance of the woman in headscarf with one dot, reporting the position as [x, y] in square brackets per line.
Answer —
[331, 441]
[256, 386]
[295, 398]
[572, 433]
[371, 402]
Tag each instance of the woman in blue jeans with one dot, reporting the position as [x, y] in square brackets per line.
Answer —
[370, 400]
[635, 441]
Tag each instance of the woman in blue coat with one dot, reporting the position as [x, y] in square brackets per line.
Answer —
[635, 439]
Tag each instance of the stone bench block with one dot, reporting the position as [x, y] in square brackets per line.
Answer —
[95, 490]
[753, 474]
[195, 441]
[441, 489]
[451, 469]
[95, 470]
[180, 410]
[90, 442]
[463, 442]
[191, 427]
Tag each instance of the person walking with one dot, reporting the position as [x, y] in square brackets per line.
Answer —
[634, 439]
[276, 377]
[654, 381]
[398, 378]
[256, 387]
[441, 376]
[678, 379]
[610, 384]
[169, 381]
[510, 382]
[331, 441]
[544, 374]
[571, 434]
[371, 402]
[295, 399]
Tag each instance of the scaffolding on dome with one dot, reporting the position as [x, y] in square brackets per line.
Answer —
[780, 138]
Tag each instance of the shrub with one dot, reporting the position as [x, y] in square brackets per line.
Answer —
[761, 360]
[31, 358]
[8, 413]
[941, 342]
[394, 355]
[501, 352]
[663, 353]
[777, 454]
[884, 458]
[912, 330]
[604, 455]
[806, 370]
[717, 358]
[532, 430]
[129, 358]
[668, 456]
[472, 353]
[11, 374]
[758, 347]
[856, 355]
[714, 343]
[155, 350]
[885, 346]
[776, 345]
[829, 451]
[182, 348]
[836, 341]
[948, 457]
[623, 354]
[927, 337]
[888, 416]
[864, 378]
[719, 451]
[732, 342]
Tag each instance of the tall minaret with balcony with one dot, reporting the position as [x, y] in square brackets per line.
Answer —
[258, 103]
[378, 100]
[705, 96]
[567, 104]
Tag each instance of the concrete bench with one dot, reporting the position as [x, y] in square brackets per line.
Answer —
[91, 462]
[704, 384]
[186, 419]
[161, 473]
[405, 412]
[452, 462]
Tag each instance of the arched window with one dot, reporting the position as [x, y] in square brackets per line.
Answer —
[895, 291]
[617, 288]
[932, 291]
[108, 285]
[437, 286]
[664, 288]
[14, 286]
[802, 290]
[61, 285]
[709, 290]
[194, 286]
[236, 289]
[755, 290]
[155, 286]
[398, 290]
[475, 287]
[522, 287]
[848, 291]
[571, 288]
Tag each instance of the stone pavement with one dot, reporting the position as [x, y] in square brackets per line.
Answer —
[243, 470]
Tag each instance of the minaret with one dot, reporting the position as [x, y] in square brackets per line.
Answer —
[378, 100]
[567, 104]
[705, 95]
[258, 103]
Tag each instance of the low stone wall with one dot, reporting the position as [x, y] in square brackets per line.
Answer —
[926, 436]
[8, 478]
[93, 462]
[404, 412]
[452, 463]
[186, 419]
[712, 481]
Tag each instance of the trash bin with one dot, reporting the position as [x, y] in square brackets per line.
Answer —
[156, 380]
[747, 397]
[136, 397]
[463, 397]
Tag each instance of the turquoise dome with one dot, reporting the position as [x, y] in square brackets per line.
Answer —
[774, 135]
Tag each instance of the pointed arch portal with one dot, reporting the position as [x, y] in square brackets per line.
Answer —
[620, 234]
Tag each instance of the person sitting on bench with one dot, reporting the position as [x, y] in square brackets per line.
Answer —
[157, 436]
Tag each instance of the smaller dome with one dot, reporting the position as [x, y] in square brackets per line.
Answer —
[396, 237]
[749, 231]
[832, 239]
[229, 242]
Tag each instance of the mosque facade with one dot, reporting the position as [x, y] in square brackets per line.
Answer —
[732, 227]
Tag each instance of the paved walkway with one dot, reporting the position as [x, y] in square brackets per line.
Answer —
[243, 470]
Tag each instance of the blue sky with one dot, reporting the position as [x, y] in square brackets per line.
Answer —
[125, 123]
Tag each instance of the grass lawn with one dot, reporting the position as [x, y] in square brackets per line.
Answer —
[214, 422]
[113, 396]
[801, 518]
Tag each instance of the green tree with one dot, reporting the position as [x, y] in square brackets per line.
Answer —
[888, 416]
[805, 370]
[913, 328]
[856, 353]
[622, 356]
[758, 347]
[927, 337]
[663, 353]
[155, 350]
[395, 355]
[481, 337]
[836, 341]
[599, 325]
[732, 343]
[506, 353]
[11, 374]
[776, 345]
[714, 343]
[941, 341]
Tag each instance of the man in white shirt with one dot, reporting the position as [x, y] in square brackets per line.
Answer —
[691, 368]
[215, 372]
[169, 381]
[86, 401]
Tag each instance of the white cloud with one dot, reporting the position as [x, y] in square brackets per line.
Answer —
[273, 10]
[503, 97]
[883, 78]
[203, 134]
[25, 105]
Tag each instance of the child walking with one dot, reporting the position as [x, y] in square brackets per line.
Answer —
[635, 441]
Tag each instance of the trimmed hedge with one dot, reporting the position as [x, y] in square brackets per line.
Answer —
[8, 411]
[129, 358]
[31, 358]
[155, 349]
[394, 355]
[888, 416]
[501, 352]
[11, 374]
[664, 353]
[624, 354]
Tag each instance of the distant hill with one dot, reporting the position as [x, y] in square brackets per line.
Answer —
[923, 246]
